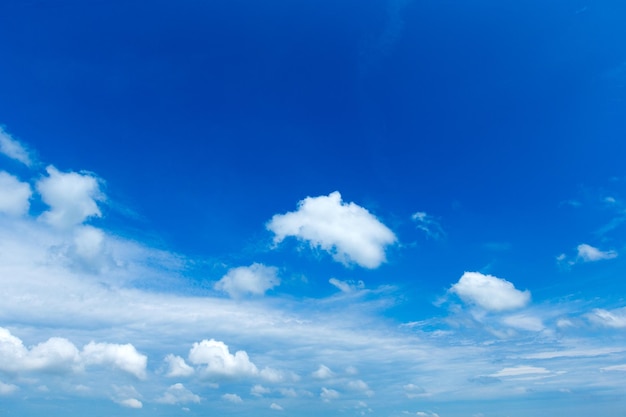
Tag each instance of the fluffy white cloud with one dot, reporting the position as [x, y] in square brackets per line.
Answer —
[177, 366]
[323, 372]
[72, 197]
[130, 403]
[123, 357]
[276, 407]
[259, 390]
[609, 318]
[428, 225]
[489, 292]
[55, 355]
[178, 394]
[219, 361]
[328, 394]
[347, 286]
[232, 398]
[255, 279]
[14, 195]
[588, 253]
[347, 231]
[7, 389]
[13, 149]
[361, 386]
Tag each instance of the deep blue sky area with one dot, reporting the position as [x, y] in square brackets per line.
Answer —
[155, 163]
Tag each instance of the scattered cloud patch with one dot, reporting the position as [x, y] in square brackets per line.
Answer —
[428, 225]
[72, 197]
[54, 355]
[259, 390]
[609, 318]
[7, 389]
[13, 148]
[524, 322]
[347, 231]
[14, 195]
[426, 414]
[588, 253]
[177, 367]
[127, 396]
[347, 286]
[219, 362]
[621, 368]
[489, 292]
[178, 394]
[123, 357]
[131, 403]
[276, 407]
[255, 279]
[328, 394]
[323, 372]
[232, 398]
[414, 391]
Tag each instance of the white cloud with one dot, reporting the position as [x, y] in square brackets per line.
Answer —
[609, 318]
[7, 389]
[520, 370]
[259, 390]
[361, 386]
[588, 253]
[255, 279]
[123, 357]
[131, 403]
[347, 286]
[178, 394]
[414, 391]
[328, 394]
[177, 367]
[13, 149]
[14, 195]
[524, 322]
[219, 361]
[489, 292]
[347, 231]
[54, 355]
[428, 225]
[233, 398]
[276, 375]
[426, 414]
[323, 372]
[72, 197]
[276, 407]
[614, 368]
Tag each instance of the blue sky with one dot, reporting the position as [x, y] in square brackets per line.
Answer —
[382, 208]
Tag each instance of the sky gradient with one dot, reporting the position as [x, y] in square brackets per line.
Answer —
[370, 208]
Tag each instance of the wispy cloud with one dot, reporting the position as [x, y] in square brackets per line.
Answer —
[429, 225]
[13, 148]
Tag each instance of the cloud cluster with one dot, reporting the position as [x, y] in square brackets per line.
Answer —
[489, 292]
[14, 195]
[60, 355]
[348, 231]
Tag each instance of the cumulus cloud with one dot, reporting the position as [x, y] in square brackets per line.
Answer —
[347, 231]
[72, 197]
[14, 195]
[609, 318]
[7, 389]
[588, 253]
[276, 407]
[428, 225]
[323, 372]
[178, 394]
[232, 398]
[130, 403]
[255, 279]
[13, 148]
[328, 394]
[54, 355]
[123, 357]
[347, 286]
[177, 367]
[218, 360]
[489, 292]
[259, 390]
[127, 396]
[361, 386]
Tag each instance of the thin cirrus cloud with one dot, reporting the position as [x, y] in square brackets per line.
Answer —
[489, 292]
[428, 225]
[13, 148]
[588, 253]
[255, 279]
[346, 230]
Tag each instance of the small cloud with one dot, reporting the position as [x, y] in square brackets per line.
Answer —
[276, 407]
[123, 357]
[13, 148]
[588, 253]
[426, 414]
[347, 286]
[489, 292]
[14, 195]
[414, 391]
[219, 361]
[609, 318]
[232, 398]
[178, 394]
[621, 368]
[259, 390]
[361, 386]
[347, 231]
[131, 403]
[127, 396]
[177, 367]
[428, 225]
[7, 389]
[328, 394]
[323, 372]
[519, 371]
[72, 197]
[255, 279]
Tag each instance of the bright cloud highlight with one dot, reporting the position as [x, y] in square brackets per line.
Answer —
[348, 231]
[14, 195]
[588, 253]
[489, 292]
[255, 279]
